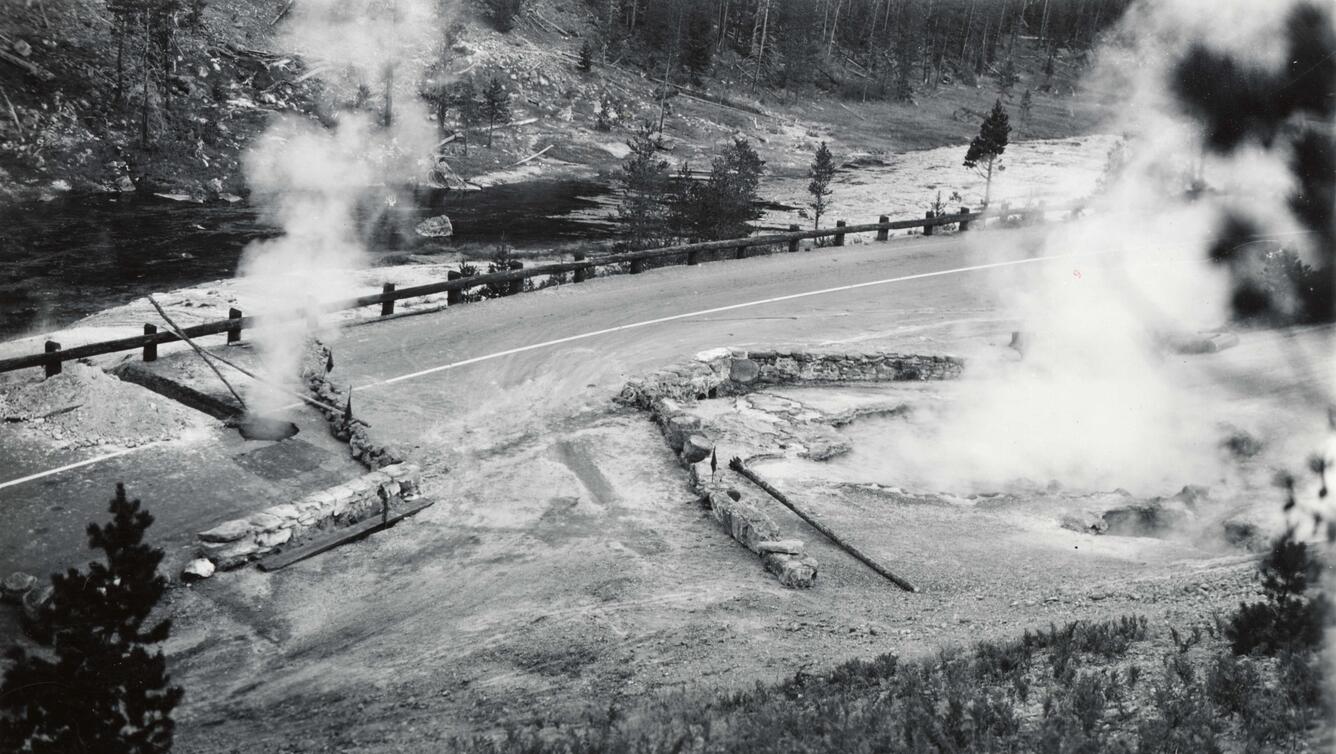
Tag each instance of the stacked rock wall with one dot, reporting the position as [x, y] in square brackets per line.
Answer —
[233, 543]
[735, 372]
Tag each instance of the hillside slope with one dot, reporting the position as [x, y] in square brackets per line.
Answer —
[66, 124]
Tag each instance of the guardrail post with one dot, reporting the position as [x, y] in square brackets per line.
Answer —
[964, 221]
[740, 253]
[693, 257]
[387, 306]
[839, 237]
[581, 273]
[793, 242]
[234, 332]
[52, 365]
[453, 296]
[516, 286]
[883, 234]
[927, 227]
[150, 349]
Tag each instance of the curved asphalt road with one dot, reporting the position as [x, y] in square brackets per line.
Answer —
[516, 388]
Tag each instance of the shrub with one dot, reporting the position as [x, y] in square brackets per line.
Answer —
[1287, 619]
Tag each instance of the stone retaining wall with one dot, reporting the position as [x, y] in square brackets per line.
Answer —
[736, 372]
[234, 543]
[365, 448]
[389, 481]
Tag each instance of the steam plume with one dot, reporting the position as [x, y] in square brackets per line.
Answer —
[322, 182]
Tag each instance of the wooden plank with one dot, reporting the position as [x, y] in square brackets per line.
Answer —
[362, 528]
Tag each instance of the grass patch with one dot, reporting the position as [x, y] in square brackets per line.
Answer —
[1110, 686]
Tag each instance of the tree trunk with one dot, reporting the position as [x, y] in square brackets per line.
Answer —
[143, 112]
[988, 182]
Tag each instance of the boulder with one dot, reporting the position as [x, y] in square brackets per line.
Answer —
[264, 522]
[1085, 522]
[792, 571]
[744, 371]
[273, 538]
[677, 428]
[228, 531]
[15, 586]
[235, 555]
[784, 546]
[696, 448]
[436, 227]
[197, 569]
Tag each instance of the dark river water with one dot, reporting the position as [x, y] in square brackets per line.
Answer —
[65, 259]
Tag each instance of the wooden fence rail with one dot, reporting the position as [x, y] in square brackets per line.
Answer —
[512, 279]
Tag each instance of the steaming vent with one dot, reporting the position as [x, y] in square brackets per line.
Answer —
[253, 427]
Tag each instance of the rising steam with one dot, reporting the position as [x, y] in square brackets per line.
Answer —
[324, 181]
[1098, 401]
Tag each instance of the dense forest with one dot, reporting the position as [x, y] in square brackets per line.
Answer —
[864, 48]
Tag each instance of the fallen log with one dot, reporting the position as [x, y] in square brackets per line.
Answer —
[539, 153]
[31, 68]
[737, 465]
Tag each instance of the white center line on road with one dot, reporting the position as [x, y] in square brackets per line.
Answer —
[75, 465]
[715, 310]
[605, 331]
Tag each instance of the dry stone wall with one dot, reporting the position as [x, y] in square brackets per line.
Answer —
[389, 481]
[236, 542]
[736, 372]
[664, 394]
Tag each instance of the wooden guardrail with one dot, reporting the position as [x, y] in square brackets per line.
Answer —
[54, 354]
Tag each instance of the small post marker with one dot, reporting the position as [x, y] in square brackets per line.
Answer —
[150, 349]
[741, 253]
[581, 273]
[234, 332]
[52, 366]
[839, 237]
[793, 242]
[883, 234]
[927, 227]
[693, 257]
[387, 306]
[965, 223]
[637, 266]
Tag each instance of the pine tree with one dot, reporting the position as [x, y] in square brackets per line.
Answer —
[105, 691]
[464, 98]
[495, 106]
[585, 64]
[723, 205]
[821, 172]
[644, 179]
[988, 146]
[1007, 77]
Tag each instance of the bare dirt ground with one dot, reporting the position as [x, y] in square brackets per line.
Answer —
[570, 567]
[565, 563]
